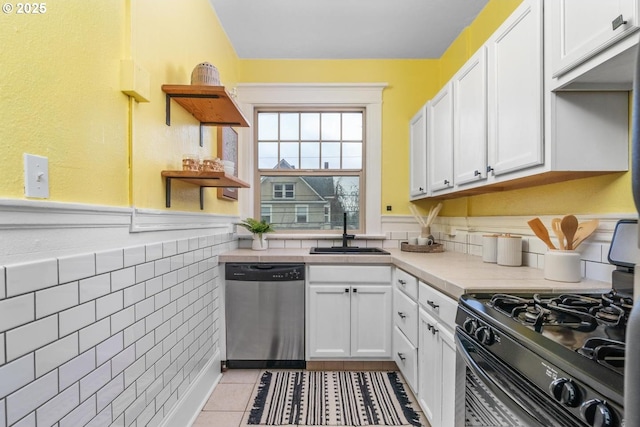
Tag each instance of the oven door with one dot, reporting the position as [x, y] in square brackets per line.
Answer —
[498, 396]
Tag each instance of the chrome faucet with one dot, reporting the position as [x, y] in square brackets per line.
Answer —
[345, 236]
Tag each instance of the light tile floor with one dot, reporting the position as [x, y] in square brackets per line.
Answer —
[231, 400]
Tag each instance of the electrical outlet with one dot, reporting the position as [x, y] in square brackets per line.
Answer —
[389, 207]
[36, 176]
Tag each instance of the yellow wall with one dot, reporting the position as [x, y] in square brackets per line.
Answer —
[60, 97]
[408, 82]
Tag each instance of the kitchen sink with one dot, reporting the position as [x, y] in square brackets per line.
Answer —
[348, 250]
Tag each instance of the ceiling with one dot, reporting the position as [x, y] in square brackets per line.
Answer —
[344, 29]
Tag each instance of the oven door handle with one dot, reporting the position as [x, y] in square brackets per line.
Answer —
[493, 387]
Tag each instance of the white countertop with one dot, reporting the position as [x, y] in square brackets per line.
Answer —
[450, 272]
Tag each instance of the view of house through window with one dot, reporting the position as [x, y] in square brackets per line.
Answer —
[310, 168]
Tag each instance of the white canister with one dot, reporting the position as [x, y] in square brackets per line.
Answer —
[509, 250]
[562, 266]
[490, 248]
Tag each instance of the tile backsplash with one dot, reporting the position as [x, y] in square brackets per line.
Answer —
[105, 338]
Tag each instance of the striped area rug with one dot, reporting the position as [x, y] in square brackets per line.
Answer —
[315, 398]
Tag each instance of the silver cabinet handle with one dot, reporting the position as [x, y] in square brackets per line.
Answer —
[433, 304]
[402, 315]
[401, 356]
[476, 173]
[402, 282]
[432, 328]
[346, 290]
[446, 182]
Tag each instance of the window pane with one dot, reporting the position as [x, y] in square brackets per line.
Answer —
[267, 155]
[352, 155]
[352, 126]
[321, 200]
[330, 155]
[309, 155]
[267, 126]
[289, 126]
[289, 153]
[330, 126]
[310, 126]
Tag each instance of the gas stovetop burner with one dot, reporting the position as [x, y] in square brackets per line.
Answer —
[609, 353]
[577, 312]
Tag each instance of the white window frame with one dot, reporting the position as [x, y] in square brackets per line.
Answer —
[284, 190]
[359, 95]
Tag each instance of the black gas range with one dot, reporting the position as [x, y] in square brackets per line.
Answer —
[546, 359]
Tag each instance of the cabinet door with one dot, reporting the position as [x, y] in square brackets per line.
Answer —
[515, 91]
[449, 376]
[371, 321]
[429, 363]
[329, 319]
[470, 120]
[583, 28]
[440, 141]
[418, 154]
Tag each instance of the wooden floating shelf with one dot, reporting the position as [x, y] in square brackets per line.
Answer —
[203, 180]
[210, 105]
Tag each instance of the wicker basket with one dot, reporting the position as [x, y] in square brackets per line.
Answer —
[205, 74]
[436, 247]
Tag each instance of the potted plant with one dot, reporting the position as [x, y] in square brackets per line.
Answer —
[258, 229]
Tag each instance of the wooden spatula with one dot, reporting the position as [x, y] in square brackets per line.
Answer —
[569, 225]
[541, 231]
[555, 226]
[585, 229]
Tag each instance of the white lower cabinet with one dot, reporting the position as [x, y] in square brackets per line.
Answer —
[425, 351]
[405, 354]
[438, 371]
[349, 312]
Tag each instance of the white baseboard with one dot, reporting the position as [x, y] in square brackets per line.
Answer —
[187, 409]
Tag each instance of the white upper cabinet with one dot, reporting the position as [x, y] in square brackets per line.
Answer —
[418, 154]
[515, 91]
[440, 141]
[470, 120]
[581, 29]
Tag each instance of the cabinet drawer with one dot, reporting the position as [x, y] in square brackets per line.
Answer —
[438, 304]
[349, 274]
[407, 283]
[406, 357]
[405, 315]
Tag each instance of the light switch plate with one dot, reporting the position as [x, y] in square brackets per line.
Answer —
[36, 176]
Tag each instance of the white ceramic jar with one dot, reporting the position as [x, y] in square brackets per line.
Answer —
[509, 250]
[490, 248]
[562, 266]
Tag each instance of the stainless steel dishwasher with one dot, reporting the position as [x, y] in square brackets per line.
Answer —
[265, 315]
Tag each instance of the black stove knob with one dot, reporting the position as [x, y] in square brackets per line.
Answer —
[565, 391]
[484, 334]
[597, 414]
[470, 326]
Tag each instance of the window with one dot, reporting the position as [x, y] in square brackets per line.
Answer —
[365, 97]
[265, 213]
[310, 164]
[283, 191]
[302, 213]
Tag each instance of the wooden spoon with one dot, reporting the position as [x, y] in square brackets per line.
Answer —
[569, 226]
[541, 231]
[585, 229]
[555, 226]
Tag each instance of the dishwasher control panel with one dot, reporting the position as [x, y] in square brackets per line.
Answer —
[266, 272]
